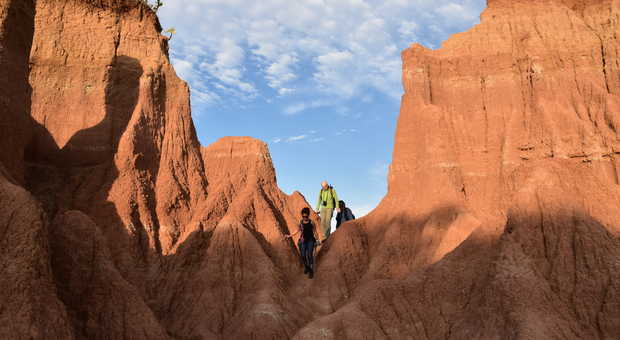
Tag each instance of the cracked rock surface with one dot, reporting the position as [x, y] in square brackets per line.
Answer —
[500, 222]
[501, 217]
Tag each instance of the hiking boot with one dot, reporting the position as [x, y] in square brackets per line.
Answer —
[305, 270]
[311, 275]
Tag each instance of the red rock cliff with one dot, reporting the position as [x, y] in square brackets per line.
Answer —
[16, 30]
[30, 306]
[501, 217]
[133, 231]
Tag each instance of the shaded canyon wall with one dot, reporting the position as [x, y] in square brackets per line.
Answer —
[501, 216]
[500, 219]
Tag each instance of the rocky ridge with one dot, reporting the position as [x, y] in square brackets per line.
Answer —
[499, 221]
[124, 213]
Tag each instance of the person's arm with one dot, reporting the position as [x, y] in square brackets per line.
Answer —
[336, 199]
[318, 203]
[293, 234]
[316, 235]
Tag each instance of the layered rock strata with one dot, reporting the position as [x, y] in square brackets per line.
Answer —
[500, 219]
[30, 306]
[116, 220]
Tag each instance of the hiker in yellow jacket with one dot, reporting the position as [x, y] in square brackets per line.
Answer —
[325, 205]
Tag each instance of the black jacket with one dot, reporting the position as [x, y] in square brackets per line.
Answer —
[344, 216]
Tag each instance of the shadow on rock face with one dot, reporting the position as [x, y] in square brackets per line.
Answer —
[550, 275]
[15, 100]
[386, 246]
[98, 144]
[79, 176]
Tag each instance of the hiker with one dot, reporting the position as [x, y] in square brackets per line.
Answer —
[344, 214]
[307, 241]
[325, 207]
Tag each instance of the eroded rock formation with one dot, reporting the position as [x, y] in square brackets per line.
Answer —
[116, 223]
[16, 30]
[30, 307]
[500, 221]
[231, 277]
[501, 218]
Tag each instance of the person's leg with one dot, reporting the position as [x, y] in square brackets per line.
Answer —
[323, 216]
[310, 254]
[326, 221]
[302, 253]
[309, 245]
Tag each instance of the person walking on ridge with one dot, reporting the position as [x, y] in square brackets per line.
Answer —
[344, 214]
[307, 241]
[325, 207]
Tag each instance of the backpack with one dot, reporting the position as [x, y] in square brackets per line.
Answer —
[349, 213]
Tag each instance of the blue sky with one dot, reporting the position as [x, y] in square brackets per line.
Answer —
[318, 80]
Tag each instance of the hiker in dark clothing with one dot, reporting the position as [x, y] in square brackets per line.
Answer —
[344, 214]
[307, 241]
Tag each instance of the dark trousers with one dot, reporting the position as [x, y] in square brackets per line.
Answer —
[306, 249]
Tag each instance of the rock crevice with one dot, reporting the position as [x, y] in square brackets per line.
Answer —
[500, 219]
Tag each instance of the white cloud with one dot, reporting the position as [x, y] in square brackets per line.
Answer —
[284, 91]
[295, 108]
[408, 30]
[183, 68]
[227, 66]
[302, 106]
[280, 72]
[205, 97]
[457, 12]
[331, 49]
[199, 90]
[345, 131]
[309, 137]
[296, 138]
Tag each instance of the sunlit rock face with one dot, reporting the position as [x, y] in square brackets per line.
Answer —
[118, 223]
[501, 217]
[500, 221]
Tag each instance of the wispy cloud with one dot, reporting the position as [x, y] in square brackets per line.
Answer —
[309, 137]
[280, 72]
[329, 48]
[296, 108]
[284, 91]
[201, 92]
[345, 131]
[228, 66]
[296, 138]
